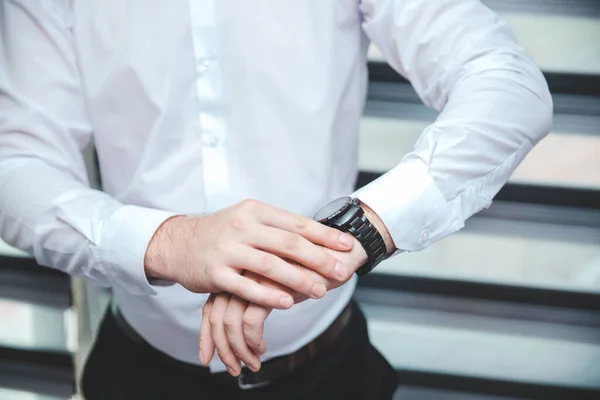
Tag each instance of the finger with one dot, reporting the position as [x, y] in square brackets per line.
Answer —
[312, 230]
[233, 329]
[220, 338]
[264, 281]
[253, 325]
[296, 248]
[294, 277]
[206, 343]
[241, 286]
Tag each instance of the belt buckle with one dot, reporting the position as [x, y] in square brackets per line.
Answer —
[247, 386]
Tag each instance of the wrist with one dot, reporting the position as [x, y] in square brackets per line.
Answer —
[162, 249]
[381, 228]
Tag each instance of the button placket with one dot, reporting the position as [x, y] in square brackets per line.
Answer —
[209, 97]
[202, 67]
[209, 140]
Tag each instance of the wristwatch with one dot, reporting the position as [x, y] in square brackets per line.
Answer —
[347, 215]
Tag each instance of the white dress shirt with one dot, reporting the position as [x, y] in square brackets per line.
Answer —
[196, 105]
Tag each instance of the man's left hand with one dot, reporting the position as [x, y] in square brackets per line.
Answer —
[234, 326]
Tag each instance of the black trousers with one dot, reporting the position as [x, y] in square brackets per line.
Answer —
[352, 369]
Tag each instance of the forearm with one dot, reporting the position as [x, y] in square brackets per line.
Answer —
[462, 60]
[462, 160]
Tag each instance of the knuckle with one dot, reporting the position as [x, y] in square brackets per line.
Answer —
[252, 342]
[206, 311]
[325, 261]
[250, 321]
[290, 242]
[302, 279]
[265, 264]
[219, 278]
[249, 204]
[229, 322]
[300, 222]
[346, 275]
[225, 356]
[333, 234]
[225, 247]
[305, 287]
[329, 260]
[237, 224]
[214, 319]
[246, 203]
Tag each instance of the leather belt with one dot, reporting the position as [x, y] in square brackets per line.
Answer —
[270, 371]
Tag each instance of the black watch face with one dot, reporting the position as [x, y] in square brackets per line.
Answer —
[332, 209]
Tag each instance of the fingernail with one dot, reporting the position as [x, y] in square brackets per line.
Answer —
[286, 302]
[231, 371]
[339, 271]
[346, 240]
[319, 290]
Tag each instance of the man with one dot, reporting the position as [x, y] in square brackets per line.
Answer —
[222, 128]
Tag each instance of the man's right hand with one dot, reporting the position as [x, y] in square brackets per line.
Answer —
[209, 254]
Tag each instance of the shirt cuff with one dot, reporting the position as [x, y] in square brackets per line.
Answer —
[126, 235]
[411, 206]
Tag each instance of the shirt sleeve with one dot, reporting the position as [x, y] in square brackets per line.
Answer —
[462, 60]
[46, 206]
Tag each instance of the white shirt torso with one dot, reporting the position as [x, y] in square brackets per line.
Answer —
[196, 105]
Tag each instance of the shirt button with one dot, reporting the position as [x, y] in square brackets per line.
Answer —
[424, 236]
[210, 141]
[203, 67]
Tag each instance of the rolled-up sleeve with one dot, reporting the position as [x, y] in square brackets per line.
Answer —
[494, 104]
[46, 206]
